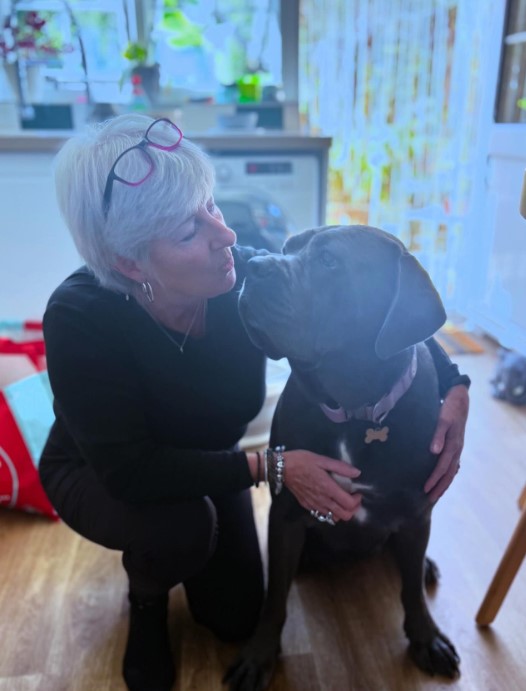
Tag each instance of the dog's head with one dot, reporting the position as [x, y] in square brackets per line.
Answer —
[337, 288]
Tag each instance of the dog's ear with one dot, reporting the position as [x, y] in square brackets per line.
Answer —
[296, 242]
[415, 313]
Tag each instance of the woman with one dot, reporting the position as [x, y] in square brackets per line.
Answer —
[155, 381]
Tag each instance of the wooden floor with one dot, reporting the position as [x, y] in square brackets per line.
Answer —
[63, 607]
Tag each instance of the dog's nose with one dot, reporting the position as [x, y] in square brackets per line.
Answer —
[261, 267]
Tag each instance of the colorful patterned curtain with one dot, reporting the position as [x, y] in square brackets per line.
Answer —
[398, 83]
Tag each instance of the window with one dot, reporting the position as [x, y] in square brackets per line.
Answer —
[72, 43]
[511, 98]
[207, 47]
[203, 47]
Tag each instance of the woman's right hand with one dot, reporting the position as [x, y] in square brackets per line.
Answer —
[308, 476]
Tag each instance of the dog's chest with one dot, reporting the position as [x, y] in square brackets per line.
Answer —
[352, 486]
[387, 496]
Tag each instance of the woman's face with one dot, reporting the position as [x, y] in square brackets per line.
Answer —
[196, 261]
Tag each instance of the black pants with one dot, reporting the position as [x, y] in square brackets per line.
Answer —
[208, 544]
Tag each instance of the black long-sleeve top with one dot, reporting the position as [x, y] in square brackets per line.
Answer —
[154, 423]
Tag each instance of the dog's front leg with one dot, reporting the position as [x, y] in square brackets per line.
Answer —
[254, 667]
[430, 649]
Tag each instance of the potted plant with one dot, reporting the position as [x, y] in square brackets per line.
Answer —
[144, 74]
[173, 28]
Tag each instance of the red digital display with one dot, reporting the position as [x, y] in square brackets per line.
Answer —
[268, 168]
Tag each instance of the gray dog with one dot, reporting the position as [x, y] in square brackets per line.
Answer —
[350, 307]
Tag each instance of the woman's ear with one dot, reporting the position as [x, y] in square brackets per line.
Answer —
[129, 268]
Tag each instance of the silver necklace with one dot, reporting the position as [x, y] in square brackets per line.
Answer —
[181, 346]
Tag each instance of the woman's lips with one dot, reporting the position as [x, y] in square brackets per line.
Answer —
[228, 265]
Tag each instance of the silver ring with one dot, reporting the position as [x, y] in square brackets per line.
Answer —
[328, 518]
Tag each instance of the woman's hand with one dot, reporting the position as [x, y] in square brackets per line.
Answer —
[448, 441]
[307, 476]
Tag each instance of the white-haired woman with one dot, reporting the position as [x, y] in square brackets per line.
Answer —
[155, 381]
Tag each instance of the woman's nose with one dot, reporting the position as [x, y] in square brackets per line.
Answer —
[223, 236]
[232, 236]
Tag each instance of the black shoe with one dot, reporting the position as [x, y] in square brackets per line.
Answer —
[148, 663]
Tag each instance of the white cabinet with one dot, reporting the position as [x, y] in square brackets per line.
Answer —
[36, 250]
[499, 255]
[496, 259]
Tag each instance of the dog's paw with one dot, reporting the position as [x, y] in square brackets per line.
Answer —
[252, 670]
[438, 656]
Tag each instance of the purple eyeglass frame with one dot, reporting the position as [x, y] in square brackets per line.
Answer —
[145, 142]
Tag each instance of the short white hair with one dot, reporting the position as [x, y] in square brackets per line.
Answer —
[182, 181]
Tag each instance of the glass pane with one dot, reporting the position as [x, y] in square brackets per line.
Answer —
[511, 105]
[104, 35]
[49, 34]
[516, 16]
[134, 166]
[511, 97]
[164, 134]
[205, 47]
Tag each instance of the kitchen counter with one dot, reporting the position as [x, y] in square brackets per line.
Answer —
[235, 141]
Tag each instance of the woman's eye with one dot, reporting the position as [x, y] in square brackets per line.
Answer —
[189, 235]
[328, 260]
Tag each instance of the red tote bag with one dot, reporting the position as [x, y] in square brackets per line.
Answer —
[26, 415]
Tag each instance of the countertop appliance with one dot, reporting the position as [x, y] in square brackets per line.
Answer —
[256, 217]
[289, 184]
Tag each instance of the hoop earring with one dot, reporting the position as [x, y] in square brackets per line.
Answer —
[148, 291]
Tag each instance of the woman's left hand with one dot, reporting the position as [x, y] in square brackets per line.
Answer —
[448, 441]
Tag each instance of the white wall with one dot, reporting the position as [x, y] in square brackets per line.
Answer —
[36, 250]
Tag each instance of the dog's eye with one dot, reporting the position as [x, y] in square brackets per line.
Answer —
[328, 260]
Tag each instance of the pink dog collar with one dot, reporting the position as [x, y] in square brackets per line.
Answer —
[378, 412]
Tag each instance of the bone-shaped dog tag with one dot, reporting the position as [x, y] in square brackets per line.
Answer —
[376, 434]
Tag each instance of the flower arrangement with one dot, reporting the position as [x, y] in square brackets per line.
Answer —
[30, 35]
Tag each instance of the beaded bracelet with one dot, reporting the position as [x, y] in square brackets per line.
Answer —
[275, 465]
